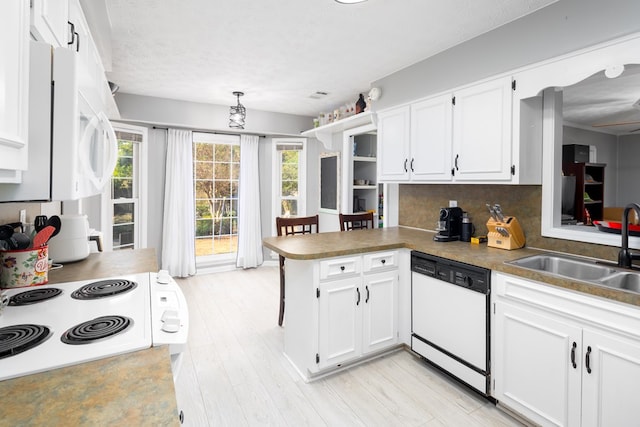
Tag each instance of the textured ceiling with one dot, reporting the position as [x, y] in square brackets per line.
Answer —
[605, 104]
[280, 52]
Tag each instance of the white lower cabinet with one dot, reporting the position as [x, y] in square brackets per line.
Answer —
[340, 310]
[339, 321]
[565, 359]
[611, 384]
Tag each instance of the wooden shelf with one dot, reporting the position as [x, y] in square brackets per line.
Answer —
[594, 188]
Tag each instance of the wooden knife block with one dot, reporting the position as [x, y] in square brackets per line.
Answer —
[515, 238]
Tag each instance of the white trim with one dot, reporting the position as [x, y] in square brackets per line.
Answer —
[276, 177]
[142, 208]
[559, 72]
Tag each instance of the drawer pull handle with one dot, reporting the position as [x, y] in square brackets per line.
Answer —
[383, 261]
[342, 268]
[573, 355]
[367, 299]
[587, 359]
[358, 291]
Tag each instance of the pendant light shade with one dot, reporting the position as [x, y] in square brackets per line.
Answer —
[237, 113]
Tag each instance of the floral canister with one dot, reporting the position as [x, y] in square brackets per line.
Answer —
[27, 267]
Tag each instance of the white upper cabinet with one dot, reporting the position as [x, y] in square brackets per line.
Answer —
[415, 141]
[476, 134]
[394, 144]
[49, 21]
[14, 84]
[431, 139]
[482, 132]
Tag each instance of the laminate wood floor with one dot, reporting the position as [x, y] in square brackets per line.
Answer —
[234, 372]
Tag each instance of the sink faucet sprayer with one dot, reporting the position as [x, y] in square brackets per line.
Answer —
[625, 256]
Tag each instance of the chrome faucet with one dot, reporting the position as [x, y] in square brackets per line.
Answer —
[625, 256]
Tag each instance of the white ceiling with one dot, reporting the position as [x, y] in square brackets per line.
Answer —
[280, 52]
[605, 104]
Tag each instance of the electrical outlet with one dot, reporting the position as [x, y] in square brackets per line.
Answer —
[453, 203]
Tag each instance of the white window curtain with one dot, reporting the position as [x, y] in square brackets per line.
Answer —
[249, 230]
[178, 229]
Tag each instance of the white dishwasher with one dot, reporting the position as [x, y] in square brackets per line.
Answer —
[450, 317]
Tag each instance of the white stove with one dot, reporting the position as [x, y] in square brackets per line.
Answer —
[134, 312]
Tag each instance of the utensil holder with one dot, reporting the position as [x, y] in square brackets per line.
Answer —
[26, 267]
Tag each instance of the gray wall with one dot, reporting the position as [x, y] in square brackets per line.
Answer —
[560, 28]
[194, 115]
[628, 169]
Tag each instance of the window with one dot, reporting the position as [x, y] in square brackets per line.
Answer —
[126, 193]
[216, 169]
[289, 178]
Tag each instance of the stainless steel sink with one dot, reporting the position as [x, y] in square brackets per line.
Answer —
[582, 269]
[627, 281]
[574, 268]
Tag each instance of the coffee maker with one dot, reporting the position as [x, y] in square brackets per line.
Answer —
[449, 225]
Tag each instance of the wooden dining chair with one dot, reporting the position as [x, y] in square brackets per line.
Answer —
[291, 227]
[356, 221]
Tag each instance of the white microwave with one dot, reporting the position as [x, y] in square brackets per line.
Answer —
[85, 148]
[72, 145]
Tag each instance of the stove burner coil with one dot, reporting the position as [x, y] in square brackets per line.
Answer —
[103, 288]
[96, 329]
[18, 338]
[34, 296]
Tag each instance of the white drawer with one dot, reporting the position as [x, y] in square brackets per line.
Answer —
[340, 267]
[380, 261]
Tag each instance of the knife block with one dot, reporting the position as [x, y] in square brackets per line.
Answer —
[510, 235]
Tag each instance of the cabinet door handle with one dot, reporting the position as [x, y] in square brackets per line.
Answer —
[367, 299]
[73, 33]
[587, 360]
[358, 291]
[77, 42]
[342, 268]
[573, 355]
[412, 164]
[456, 161]
[405, 165]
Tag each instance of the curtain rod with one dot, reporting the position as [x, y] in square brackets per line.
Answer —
[214, 132]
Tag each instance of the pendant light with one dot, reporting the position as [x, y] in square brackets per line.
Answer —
[237, 113]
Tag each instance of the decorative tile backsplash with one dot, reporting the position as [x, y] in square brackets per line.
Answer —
[420, 205]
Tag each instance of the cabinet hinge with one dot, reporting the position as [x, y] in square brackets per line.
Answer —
[453, 100]
[513, 170]
[317, 358]
[317, 292]
[513, 85]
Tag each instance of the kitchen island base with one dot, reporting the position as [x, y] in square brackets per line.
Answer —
[342, 311]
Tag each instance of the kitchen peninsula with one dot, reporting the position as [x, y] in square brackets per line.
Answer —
[337, 244]
[133, 389]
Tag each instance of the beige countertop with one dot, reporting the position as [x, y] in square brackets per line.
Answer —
[326, 245]
[130, 389]
[106, 264]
